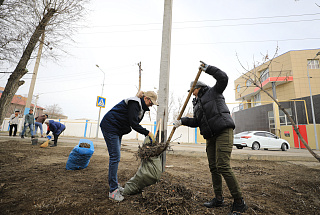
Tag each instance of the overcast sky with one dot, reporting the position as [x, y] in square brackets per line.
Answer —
[122, 33]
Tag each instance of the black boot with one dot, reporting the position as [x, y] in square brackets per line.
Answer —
[214, 203]
[54, 145]
[238, 208]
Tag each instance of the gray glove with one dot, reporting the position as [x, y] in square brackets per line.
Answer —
[203, 66]
[177, 123]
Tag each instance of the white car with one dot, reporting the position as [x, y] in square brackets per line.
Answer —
[259, 139]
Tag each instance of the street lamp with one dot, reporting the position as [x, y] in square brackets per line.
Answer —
[103, 78]
[101, 96]
[313, 116]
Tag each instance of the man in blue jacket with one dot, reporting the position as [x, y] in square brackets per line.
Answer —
[56, 128]
[212, 116]
[120, 120]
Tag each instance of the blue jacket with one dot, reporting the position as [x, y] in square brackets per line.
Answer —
[125, 116]
[55, 127]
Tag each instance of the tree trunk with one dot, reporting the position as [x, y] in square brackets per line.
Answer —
[294, 125]
[20, 70]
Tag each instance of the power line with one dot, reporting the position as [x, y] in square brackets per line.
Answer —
[209, 20]
[222, 42]
[208, 26]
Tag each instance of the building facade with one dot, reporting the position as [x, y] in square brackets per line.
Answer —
[286, 78]
[19, 103]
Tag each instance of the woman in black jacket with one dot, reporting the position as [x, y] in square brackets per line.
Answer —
[212, 116]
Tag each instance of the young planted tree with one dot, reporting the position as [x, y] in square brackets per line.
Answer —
[251, 76]
[21, 24]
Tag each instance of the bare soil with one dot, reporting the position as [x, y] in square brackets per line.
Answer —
[34, 181]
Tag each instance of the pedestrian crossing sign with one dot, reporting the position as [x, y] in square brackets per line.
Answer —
[101, 102]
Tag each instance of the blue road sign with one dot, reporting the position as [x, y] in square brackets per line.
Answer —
[101, 102]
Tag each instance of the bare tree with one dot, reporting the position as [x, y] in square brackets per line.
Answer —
[252, 77]
[21, 25]
[177, 109]
[54, 111]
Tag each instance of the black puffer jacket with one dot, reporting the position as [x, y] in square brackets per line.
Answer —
[210, 111]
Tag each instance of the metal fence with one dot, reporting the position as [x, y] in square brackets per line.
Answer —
[88, 129]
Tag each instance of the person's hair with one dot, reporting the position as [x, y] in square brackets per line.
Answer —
[140, 94]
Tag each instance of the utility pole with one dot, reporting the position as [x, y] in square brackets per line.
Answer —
[163, 96]
[34, 76]
[35, 105]
[139, 64]
[104, 76]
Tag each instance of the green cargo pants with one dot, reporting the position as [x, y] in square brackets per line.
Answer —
[219, 150]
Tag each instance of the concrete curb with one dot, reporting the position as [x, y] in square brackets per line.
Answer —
[187, 149]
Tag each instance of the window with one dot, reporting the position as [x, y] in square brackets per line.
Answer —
[282, 117]
[271, 135]
[257, 100]
[262, 134]
[313, 64]
[238, 88]
[248, 83]
[241, 106]
[264, 75]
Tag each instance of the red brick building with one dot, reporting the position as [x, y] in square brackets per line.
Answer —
[19, 103]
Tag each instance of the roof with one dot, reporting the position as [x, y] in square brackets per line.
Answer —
[19, 100]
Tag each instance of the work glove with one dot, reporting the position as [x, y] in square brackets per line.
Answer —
[27, 124]
[151, 136]
[203, 66]
[177, 123]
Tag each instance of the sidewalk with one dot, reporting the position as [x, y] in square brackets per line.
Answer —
[188, 149]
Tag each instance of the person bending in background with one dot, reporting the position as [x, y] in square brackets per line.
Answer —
[56, 128]
[212, 116]
[39, 121]
[118, 121]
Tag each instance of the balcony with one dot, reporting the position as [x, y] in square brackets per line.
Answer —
[279, 78]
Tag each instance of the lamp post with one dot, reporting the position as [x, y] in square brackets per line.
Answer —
[311, 101]
[101, 96]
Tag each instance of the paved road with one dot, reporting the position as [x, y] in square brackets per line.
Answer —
[192, 149]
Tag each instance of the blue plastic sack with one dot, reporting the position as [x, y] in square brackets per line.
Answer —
[79, 157]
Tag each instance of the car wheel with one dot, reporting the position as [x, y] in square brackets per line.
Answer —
[284, 147]
[255, 146]
[239, 147]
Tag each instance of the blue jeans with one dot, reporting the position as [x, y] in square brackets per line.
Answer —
[113, 142]
[38, 124]
[25, 127]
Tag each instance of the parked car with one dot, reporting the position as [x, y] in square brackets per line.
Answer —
[259, 139]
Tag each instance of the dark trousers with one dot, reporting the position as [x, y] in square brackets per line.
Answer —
[219, 150]
[55, 136]
[15, 126]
